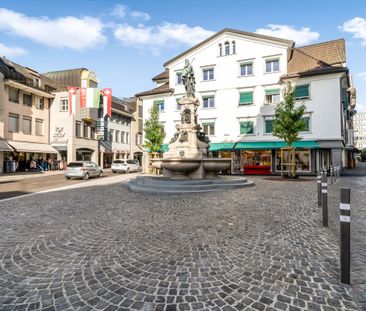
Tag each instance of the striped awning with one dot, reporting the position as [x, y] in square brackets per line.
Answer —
[4, 146]
[21, 146]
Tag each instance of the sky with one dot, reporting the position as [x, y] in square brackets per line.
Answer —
[126, 43]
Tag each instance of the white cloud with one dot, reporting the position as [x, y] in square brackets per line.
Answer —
[11, 51]
[164, 35]
[357, 27]
[142, 15]
[362, 75]
[69, 32]
[301, 36]
[119, 11]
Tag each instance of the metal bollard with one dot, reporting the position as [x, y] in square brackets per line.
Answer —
[345, 218]
[331, 175]
[325, 200]
[319, 187]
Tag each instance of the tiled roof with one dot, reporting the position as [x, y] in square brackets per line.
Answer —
[164, 88]
[325, 57]
[161, 76]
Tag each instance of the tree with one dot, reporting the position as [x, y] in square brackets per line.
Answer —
[154, 133]
[288, 122]
[363, 155]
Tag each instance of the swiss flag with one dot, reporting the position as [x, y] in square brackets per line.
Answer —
[72, 98]
[107, 102]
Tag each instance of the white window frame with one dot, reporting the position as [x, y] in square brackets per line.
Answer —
[177, 73]
[39, 125]
[272, 59]
[253, 119]
[267, 118]
[246, 62]
[26, 118]
[211, 96]
[62, 102]
[204, 69]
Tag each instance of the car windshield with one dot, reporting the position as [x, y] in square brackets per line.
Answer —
[75, 164]
[118, 162]
[130, 162]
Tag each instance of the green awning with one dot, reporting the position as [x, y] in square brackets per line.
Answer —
[246, 98]
[221, 146]
[273, 92]
[264, 145]
[164, 148]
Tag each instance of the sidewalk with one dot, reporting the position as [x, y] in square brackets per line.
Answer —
[8, 177]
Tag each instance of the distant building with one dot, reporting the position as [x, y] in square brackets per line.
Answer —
[25, 100]
[359, 123]
[239, 78]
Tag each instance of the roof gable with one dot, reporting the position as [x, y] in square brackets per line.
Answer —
[251, 35]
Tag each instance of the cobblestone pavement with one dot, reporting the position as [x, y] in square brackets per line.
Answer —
[357, 184]
[105, 248]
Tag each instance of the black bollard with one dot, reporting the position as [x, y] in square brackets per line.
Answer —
[319, 185]
[345, 218]
[325, 199]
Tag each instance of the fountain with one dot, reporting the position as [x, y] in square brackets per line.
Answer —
[186, 166]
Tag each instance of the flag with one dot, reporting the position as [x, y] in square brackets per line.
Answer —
[107, 102]
[82, 97]
[72, 98]
[92, 97]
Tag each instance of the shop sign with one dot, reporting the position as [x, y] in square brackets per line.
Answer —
[59, 136]
[100, 128]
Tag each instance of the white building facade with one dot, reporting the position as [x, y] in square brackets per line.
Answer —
[239, 78]
[359, 123]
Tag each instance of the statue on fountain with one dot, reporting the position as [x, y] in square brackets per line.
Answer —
[188, 79]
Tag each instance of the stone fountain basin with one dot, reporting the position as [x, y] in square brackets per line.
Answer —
[181, 165]
[156, 163]
[215, 165]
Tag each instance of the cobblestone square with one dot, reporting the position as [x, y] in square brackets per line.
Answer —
[105, 248]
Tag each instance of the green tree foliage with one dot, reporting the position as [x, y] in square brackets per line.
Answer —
[363, 154]
[154, 133]
[287, 121]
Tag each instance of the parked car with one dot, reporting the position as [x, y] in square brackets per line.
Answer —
[124, 166]
[83, 169]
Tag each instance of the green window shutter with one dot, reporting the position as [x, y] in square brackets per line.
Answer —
[306, 121]
[302, 91]
[246, 98]
[247, 127]
[269, 126]
[273, 92]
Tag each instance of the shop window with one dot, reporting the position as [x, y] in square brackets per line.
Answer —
[246, 127]
[208, 74]
[302, 91]
[246, 98]
[302, 160]
[14, 95]
[27, 100]
[272, 65]
[209, 128]
[39, 127]
[78, 129]
[208, 101]
[246, 69]
[273, 96]
[27, 125]
[268, 126]
[64, 105]
[13, 125]
[256, 158]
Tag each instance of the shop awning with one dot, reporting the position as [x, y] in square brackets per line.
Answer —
[4, 146]
[221, 146]
[31, 147]
[164, 148]
[60, 147]
[263, 145]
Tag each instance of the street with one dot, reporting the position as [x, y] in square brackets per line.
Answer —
[17, 186]
[106, 248]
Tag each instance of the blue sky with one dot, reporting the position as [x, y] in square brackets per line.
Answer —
[127, 42]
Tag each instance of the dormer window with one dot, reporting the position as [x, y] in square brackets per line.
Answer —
[178, 78]
[233, 47]
[220, 49]
[227, 48]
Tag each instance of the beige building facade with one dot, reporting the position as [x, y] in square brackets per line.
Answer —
[25, 100]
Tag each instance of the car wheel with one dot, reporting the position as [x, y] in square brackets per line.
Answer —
[100, 174]
[128, 171]
[67, 177]
[114, 172]
[86, 176]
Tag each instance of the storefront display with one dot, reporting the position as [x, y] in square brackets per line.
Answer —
[256, 161]
[302, 159]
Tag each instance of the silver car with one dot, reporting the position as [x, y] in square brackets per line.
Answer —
[83, 169]
[124, 166]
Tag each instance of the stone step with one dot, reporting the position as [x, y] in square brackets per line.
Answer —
[167, 181]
